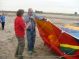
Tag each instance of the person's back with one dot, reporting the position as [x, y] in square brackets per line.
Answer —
[2, 21]
[2, 18]
[19, 26]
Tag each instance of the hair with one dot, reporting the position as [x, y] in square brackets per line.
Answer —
[30, 10]
[20, 12]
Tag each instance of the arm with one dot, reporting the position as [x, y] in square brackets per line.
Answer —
[22, 24]
[41, 18]
[26, 18]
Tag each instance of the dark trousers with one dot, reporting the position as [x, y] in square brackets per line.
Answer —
[31, 39]
[3, 24]
[20, 47]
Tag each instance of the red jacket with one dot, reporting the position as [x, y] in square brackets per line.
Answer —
[19, 26]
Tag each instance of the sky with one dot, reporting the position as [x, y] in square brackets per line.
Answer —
[59, 6]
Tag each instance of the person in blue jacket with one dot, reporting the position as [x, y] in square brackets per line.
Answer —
[3, 21]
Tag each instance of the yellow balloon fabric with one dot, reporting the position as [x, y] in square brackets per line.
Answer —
[70, 46]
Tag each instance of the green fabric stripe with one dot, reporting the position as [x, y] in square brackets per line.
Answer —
[68, 51]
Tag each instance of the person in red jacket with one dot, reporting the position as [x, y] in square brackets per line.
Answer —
[19, 27]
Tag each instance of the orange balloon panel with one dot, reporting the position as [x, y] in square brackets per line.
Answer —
[53, 40]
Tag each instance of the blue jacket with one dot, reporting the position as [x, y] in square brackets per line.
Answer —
[2, 18]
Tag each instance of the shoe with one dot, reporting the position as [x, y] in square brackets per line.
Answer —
[30, 52]
[34, 51]
[16, 56]
[20, 57]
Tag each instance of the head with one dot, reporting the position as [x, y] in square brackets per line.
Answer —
[20, 12]
[30, 12]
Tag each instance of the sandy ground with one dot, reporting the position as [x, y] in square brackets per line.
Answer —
[8, 44]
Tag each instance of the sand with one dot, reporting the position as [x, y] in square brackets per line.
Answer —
[8, 44]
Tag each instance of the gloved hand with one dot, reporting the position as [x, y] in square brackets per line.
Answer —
[32, 17]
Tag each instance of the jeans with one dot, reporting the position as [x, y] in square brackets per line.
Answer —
[31, 39]
[20, 48]
[3, 24]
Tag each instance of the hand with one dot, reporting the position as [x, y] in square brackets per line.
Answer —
[32, 17]
[28, 24]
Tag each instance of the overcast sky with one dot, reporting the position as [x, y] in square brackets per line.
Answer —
[61, 6]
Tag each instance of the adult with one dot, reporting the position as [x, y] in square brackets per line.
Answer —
[19, 26]
[30, 29]
[2, 21]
